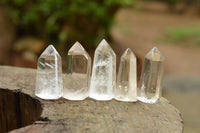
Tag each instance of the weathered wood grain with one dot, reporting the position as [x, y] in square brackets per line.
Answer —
[87, 116]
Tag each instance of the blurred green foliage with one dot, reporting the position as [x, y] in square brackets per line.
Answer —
[182, 34]
[61, 20]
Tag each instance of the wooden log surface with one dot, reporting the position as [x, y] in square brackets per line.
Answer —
[22, 111]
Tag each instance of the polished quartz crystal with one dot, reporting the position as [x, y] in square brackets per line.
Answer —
[151, 77]
[49, 74]
[103, 81]
[77, 77]
[126, 89]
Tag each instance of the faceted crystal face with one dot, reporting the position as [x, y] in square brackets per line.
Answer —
[77, 78]
[126, 89]
[155, 55]
[151, 77]
[103, 80]
[49, 74]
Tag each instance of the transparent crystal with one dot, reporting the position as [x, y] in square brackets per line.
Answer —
[77, 78]
[103, 81]
[151, 77]
[49, 74]
[126, 89]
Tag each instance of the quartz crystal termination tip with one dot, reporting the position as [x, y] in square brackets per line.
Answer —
[151, 78]
[49, 74]
[77, 77]
[103, 81]
[126, 89]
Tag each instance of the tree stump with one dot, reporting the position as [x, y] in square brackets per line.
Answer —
[22, 111]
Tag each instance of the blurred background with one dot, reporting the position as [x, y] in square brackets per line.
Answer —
[28, 26]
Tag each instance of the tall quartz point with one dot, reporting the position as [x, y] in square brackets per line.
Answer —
[49, 74]
[103, 81]
[77, 78]
[151, 77]
[126, 89]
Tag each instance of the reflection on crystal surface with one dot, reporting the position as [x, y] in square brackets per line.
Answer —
[126, 89]
[77, 78]
[49, 74]
[103, 81]
[151, 77]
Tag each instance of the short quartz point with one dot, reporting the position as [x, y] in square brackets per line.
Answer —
[103, 81]
[49, 75]
[126, 89]
[77, 78]
[151, 78]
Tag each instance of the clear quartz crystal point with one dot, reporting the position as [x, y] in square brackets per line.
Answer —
[103, 81]
[49, 74]
[126, 89]
[151, 77]
[77, 78]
